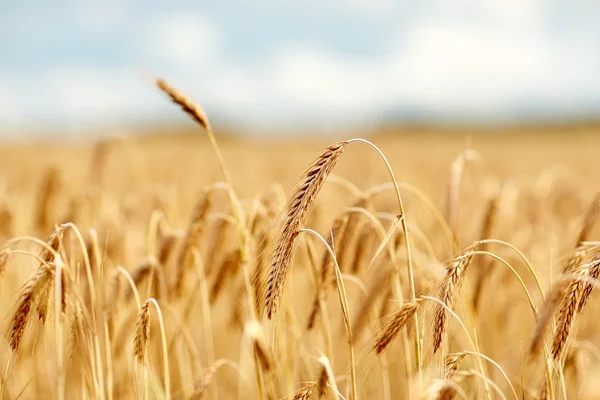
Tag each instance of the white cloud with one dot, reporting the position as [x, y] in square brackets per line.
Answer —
[451, 59]
[180, 37]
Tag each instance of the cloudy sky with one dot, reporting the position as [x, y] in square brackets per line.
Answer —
[271, 63]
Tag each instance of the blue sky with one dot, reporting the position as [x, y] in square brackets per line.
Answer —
[74, 64]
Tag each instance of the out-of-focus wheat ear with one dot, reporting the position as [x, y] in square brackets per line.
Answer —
[486, 233]
[142, 333]
[447, 391]
[297, 212]
[454, 187]
[75, 330]
[346, 241]
[217, 245]
[305, 393]
[230, 265]
[591, 274]
[398, 320]
[192, 235]
[589, 220]
[165, 247]
[4, 257]
[574, 261]
[450, 285]
[27, 300]
[205, 380]
[149, 270]
[187, 105]
[545, 315]
[321, 384]
[338, 229]
[6, 220]
[44, 285]
[261, 351]
[364, 248]
[566, 313]
[49, 187]
[376, 288]
[98, 161]
[328, 378]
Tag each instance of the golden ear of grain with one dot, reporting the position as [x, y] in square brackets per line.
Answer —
[187, 105]
[447, 391]
[166, 244]
[574, 261]
[230, 265]
[297, 212]
[48, 189]
[149, 269]
[4, 257]
[449, 288]
[192, 235]
[45, 287]
[142, 333]
[376, 288]
[398, 321]
[486, 232]
[591, 274]
[364, 248]
[321, 384]
[565, 314]
[545, 316]
[452, 364]
[305, 393]
[36, 287]
[205, 380]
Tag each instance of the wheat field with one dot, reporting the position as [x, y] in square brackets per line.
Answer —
[171, 267]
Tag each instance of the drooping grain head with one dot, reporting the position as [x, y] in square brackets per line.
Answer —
[487, 227]
[230, 265]
[142, 333]
[591, 274]
[49, 188]
[566, 313]
[191, 238]
[165, 247]
[452, 364]
[297, 212]
[377, 287]
[4, 257]
[205, 380]
[36, 287]
[305, 393]
[545, 315]
[187, 105]
[392, 327]
[321, 384]
[449, 288]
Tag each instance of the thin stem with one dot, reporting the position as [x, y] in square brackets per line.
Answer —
[344, 304]
[411, 277]
[163, 335]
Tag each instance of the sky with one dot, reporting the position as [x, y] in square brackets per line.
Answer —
[266, 63]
